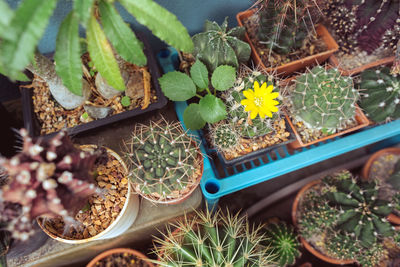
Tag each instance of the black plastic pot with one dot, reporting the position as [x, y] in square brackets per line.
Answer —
[31, 123]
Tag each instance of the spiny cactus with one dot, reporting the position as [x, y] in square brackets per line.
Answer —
[218, 46]
[164, 161]
[285, 24]
[283, 243]
[224, 137]
[212, 239]
[367, 24]
[49, 177]
[381, 94]
[324, 100]
[341, 245]
[373, 256]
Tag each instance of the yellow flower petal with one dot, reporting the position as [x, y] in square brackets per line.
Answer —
[270, 88]
[269, 114]
[253, 114]
[245, 102]
[274, 95]
[256, 87]
[249, 94]
[274, 109]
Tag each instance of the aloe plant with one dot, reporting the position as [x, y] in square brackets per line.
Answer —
[106, 32]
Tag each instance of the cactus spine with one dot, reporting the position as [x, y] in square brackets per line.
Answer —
[224, 137]
[324, 100]
[164, 161]
[381, 94]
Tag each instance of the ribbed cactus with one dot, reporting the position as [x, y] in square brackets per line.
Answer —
[164, 161]
[380, 96]
[213, 239]
[341, 245]
[283, 243]
[218, 45]
[49, 177]
[224, 137]
[323, 99]
[285, 24]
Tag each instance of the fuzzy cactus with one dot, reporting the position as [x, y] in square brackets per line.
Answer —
[324, 100]
[213, 239]
[49, 177]
[283, 243]
[164, 161]
[285, 24]
[218, 46]
[224, 137]
[380, 96]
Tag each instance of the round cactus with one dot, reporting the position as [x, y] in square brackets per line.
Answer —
[213, 239]
[283, 243]
[165, 163]
[324, 100]
[224, 137]
[380, 96]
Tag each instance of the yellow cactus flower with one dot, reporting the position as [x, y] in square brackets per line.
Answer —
[260, 101]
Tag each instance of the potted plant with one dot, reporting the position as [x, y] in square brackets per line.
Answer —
[367, 33]
[322, 105]
[165, 164]
[69, 81]
[76, 195]
[283, 37]
[120, 257]
[342, 220]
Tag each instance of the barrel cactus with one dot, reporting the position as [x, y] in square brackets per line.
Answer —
[324, 100]
[224, 137]
[165, 163]
[219, 46]
[212, 239]
[283, 243]
[381, 94]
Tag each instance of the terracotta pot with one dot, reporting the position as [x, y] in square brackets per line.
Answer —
[296, 65]
[367, 168]
[107, 253]
[123, 221]
[335, 62]
[307, 245]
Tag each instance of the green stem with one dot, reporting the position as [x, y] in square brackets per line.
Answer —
[199, 96]
[208, 90]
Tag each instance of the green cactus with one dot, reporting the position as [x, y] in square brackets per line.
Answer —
[381, 94]
[324, 100]
[373, 256]
[236, 111]
[341, 246]
[224, 137]
[212, 239]
[164, 161]
[283, 243]
[219, 46]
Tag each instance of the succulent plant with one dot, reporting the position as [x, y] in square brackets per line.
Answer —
[283, 243]
[224, 137]
[218, 45]
[285, 24]
[164, 161]
[381, 94]
[341, 245]
[213, 239]
[49, 177]
[324, 100]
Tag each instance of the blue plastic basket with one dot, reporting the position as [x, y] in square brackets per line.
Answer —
[215, 184]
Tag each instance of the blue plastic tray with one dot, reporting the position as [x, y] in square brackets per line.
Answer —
[215, 185]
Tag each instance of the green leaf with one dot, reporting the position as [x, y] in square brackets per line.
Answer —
[212, 109]
[19, 76]
[23, 34]
[161, 22]
[121, 36]
[6, 14]
[192, 117]
[177, 86]
[67, 56]
[126, 101]
[83, 9]
[199, 74]
[102, 55]
[223, 77]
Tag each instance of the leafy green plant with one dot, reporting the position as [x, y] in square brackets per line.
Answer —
[178, 86]
[22, 30]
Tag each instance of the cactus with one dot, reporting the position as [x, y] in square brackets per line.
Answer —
[367, 24]
[285, 24]
[373, 256]
[212, 239]
[283, 243]
[381, 94]
[164, 161]
[341, 245]
[219, 46]
[224, 137]
[49, 177]
[324, 100]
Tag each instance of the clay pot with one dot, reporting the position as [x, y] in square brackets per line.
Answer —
[296, 65]
[123, 221]
[307, 245]
[335, 62]
[107, 253]
[367, 168]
